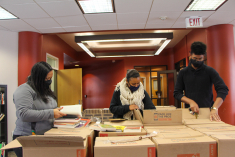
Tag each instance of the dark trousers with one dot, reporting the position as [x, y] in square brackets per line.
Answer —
[18, 151]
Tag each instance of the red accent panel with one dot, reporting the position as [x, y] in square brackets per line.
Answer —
[221, 56]
[29, 53]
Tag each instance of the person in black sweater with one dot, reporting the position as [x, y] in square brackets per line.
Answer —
[197, 80]
[128, 95]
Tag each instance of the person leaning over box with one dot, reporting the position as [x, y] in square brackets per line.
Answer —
[128, 95]
[36, 105]
[197, 80]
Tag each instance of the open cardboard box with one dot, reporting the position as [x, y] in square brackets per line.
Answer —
[213, 127]
[48, 146]
[204, 113]
[127, 123]
[166, 127]
[83, 131]
[138, 148]
[160, 117]
[168, 130]
[190, 144]
[108, 134]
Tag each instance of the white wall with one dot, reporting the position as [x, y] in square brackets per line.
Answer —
[9, 73]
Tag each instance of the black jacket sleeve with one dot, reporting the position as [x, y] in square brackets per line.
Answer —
[116, 106]
[179, 86]
[220, 87]
[148, 104]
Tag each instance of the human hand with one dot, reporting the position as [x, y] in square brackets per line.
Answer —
[214, 115]
[133, 106]
[57, 113]
[194, 106]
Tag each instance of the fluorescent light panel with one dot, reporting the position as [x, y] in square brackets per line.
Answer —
[122, 56]
[86, 49]
[162, 47]
[96, 6]
[4, 15]
[198, 5]
[115, 40]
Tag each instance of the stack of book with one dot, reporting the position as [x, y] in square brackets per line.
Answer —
[66, 123]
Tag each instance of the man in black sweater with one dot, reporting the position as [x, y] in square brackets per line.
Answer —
[197, 80]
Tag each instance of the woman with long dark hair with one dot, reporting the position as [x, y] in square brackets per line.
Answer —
[36, 105]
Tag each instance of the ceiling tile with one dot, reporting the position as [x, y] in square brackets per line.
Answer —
[78, 20]
[104, 27]
[3, 28]
[154, 17]
[129, 6]
[203, 14]
[29, 10]
[132, 18]
[52, 30]
[61, 8]
[50, 0]
[179, 25]
[77, 29]
[158, 25]
[227, 6]
[233, 23]
[16, 1]
[97, 19]
[16, 25]
[221, 17]
[42, 23]
[169, 5]
[132, 26]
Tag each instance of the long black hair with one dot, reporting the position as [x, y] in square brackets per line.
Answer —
[37, 80]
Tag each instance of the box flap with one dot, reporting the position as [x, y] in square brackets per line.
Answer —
[179, 134]
[162, 130]
[84, 132]
[225, 136]
[167, 127]
[200, 121]
[138, 116]
[105, 141]
[50, 141]
[165, 108]
[195, 126]
[204, 113]
[13, 144]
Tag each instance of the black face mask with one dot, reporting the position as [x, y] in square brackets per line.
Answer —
[196, 64]
[48, 83]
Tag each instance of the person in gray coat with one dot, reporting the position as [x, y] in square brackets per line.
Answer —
[35, 103]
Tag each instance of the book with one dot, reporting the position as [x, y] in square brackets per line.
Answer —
[85, 122]
[67, 120]
[117, 120]
[107, 127]
[72, 110]
[2, 116]
[132, 129]
[66, 125]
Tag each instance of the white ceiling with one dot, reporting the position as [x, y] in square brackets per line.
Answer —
[64, 16]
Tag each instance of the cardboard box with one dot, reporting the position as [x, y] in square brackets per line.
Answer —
[185, 145]
[130, 123]
[226, 143]
[48, 146]
[162, 117]
[204, 113]
[200, 121]
[166, 127]
[83, 132]
[140, 148]
[109, 134]
[195, 126]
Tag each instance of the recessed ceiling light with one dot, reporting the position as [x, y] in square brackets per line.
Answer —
[123, 56]
[4, 14]
[76, 65]
[162, 47]
[96, 6]
[86, 49]
[199, 5]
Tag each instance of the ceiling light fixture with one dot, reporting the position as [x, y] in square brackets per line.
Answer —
[162, 47]
[96, 6]
[86, 49]
[76, 65]
[204, 5]
[115, 40]
[123, 56]
[4, 14]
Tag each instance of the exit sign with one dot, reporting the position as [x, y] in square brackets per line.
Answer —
[194, 22]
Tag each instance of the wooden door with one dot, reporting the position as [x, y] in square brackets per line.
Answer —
[69, 86]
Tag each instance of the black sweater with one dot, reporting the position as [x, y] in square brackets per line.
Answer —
[197, 85]
[119, 110]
